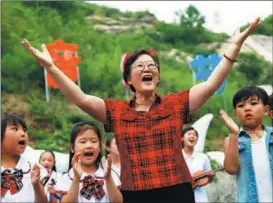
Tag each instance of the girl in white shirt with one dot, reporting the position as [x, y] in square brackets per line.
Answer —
[87, 180]
[196, 161]
[19, 177]
[47, 159]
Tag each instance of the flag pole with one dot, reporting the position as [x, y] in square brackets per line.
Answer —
[46, 87]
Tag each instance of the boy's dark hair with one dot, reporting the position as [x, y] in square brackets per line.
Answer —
[250, 91]
[10, 119]
[270, 102]
[51, 152]
[131, 60]
[77, 130]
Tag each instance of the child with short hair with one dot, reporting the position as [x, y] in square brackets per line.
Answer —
[19, 177]
[249, 149]
[87, 180]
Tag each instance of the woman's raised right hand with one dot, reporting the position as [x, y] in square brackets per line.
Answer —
[43, 57]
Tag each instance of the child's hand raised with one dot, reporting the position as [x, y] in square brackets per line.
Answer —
[76, 164]
[35, 175]
[107, 167]
[231, 125]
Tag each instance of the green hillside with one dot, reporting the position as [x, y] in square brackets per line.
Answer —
[23, 83]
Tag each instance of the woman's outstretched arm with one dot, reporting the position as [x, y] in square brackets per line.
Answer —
[90, 104]
[200, 93]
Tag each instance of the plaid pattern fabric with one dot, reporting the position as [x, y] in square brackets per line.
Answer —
[149, 142]
[92, 186]
[11, 179]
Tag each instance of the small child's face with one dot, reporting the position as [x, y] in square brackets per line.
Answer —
[190, 138]
[47, 160]
[88, 144]
[250, 112]
[15, 140]
[113, 147]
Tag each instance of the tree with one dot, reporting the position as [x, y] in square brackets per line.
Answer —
[255, 68]
[191, 18]
[191, 25]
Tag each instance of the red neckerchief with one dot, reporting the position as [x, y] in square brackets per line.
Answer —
[11, 179]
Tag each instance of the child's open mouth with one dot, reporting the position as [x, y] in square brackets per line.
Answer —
[22, 142]
[191, 141]
[88, 154]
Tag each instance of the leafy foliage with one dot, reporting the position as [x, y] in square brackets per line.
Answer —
[255, 69]
[45, 21]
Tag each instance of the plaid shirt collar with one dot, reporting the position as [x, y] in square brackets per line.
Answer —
[158, 99]
[129, 113]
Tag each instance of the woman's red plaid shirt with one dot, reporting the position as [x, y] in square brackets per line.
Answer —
[149, 142]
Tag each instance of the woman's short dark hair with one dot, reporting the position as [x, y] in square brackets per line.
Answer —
[250, 91]
[13, 120]
[131, 60]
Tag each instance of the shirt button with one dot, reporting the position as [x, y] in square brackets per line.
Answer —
[147, 119]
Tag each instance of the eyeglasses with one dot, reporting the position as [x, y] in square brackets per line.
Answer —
[139, 66]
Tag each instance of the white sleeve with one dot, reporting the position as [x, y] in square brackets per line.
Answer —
[207, 166]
